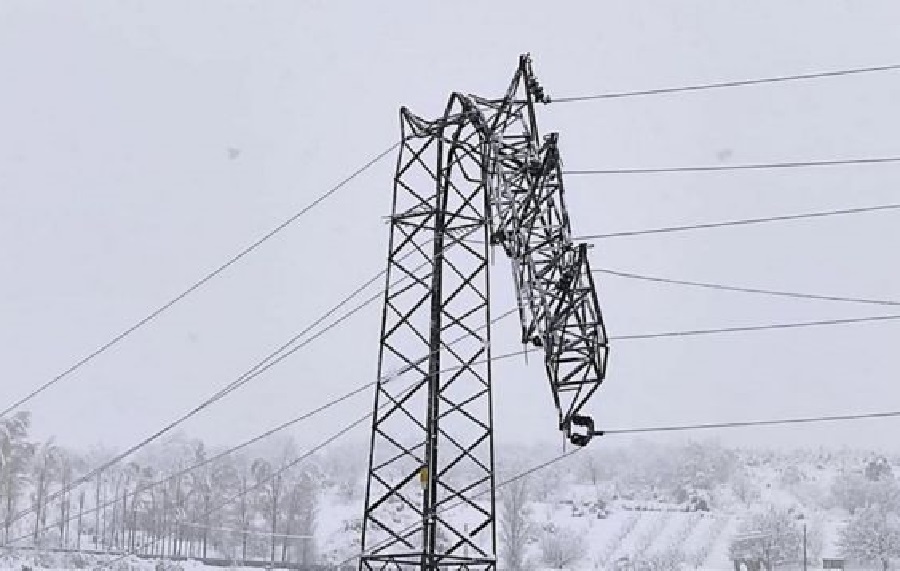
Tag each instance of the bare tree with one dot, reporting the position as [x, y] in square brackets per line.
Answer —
[15, 457]
[515, 528]
[244, 508]
[269, 483]
[43, 470]
[300, 517]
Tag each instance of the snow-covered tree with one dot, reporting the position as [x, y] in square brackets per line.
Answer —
[744, 487]
[776, 537]
[879, 469]
[562, 549]
[853, 492]
[791, 476]
[515, 528]
[872, 535]
[15, 456]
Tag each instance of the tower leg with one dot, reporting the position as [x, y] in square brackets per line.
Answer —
[429, 499]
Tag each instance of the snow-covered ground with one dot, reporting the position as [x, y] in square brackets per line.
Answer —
[612, 529]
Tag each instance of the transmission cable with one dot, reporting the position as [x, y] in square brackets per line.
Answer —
[497, 486]
[724, 287]
[697, 332]
[745, 166]
[285, 467]
[742, 222]
[343, 431]
[145, 486]
[763, 327]
[554, 460]
[262, 366]
[268, 362]
[782, 421]
[723, 84]
[196, 285]
[611, 432]
[148, 485]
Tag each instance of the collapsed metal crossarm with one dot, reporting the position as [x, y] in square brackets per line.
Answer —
[479, 176]
[557, 299]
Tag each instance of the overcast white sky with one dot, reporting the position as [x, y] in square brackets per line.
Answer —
[117, 190]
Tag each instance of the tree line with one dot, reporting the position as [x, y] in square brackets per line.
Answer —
[237, 506]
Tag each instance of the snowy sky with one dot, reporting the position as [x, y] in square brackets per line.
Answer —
[119, 188]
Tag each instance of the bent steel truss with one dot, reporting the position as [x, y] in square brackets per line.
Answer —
[479, 176]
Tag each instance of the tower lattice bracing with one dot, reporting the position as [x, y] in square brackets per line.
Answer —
[479, 176]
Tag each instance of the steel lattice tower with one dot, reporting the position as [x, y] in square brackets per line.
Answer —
[479, 176]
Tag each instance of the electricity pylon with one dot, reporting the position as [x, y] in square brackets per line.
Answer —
[479, 176]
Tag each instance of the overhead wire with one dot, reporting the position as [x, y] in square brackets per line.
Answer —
[612, 431]
[268, 362]
[711, 331]
[726, 84]
[256, 370]
[624, 431]
[497, 486]
[284, 467]
[149, 485]
[145, 486]
[681, 333]
[761, 327]
[740, 424]
[196, 285]
[734, 167]
[743, 289]
[639, 430]
[618, 171]
[743, 222]
[715, 85]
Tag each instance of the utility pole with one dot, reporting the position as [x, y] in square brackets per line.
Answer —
[804, 545]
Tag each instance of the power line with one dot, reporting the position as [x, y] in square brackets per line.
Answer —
[742, 222]
[497, 357]
[696, 332]
[723, 84]
[801, 420]
[748, 328]
[724, 287]
[746, 166]
[268, 362]
[256, 486]
[445, 509]
[196, 285]
[289, 465]
[554, 460]
[278, 472]
[624, 431]
[246, 531]
[545, 464]
[284, 468]
[262, 366]
[148, 485]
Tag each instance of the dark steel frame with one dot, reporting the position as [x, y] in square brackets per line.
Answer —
[476, 177]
